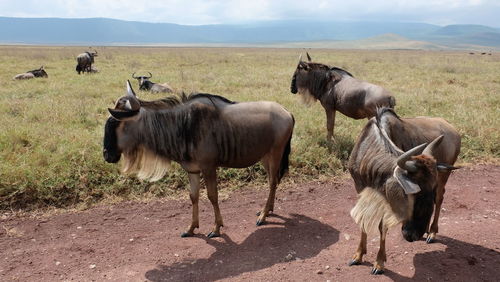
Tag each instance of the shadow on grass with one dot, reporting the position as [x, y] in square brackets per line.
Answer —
[295, 237]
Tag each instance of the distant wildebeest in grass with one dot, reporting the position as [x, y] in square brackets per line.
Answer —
[85, 61]
[396, 186]
[338, 90]
[147, 85]
[32, 74]
[200, 132]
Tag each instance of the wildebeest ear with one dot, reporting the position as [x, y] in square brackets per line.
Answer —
[120, 114]
[130, 91]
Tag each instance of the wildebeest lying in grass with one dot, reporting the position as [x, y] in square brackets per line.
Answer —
[32, 74]
[85, 61]
[407, 133]
[338, 90]
[200, 132]
[393, 186]
[147, 85]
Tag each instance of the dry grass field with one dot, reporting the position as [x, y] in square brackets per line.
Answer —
[51, 129]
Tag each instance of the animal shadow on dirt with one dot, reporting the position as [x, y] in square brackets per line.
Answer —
[297, 237]
[460, 261]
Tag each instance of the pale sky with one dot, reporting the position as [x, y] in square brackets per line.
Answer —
[196, 12]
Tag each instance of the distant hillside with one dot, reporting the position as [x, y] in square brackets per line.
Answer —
[103, 31]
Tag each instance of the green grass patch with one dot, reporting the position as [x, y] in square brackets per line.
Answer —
[51, 129]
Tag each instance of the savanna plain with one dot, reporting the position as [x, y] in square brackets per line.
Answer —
[51, 133]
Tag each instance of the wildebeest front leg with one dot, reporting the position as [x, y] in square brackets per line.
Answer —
[378, 268]
[330, 122]
[431, 235]
[194, 194]
[210, 177]
[358, 257]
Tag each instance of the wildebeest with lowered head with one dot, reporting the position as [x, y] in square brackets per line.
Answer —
[147, 85]
[32, 74]
[85, 61]
[338, 90]
[407, 133]
[200, 132]
[393, 186]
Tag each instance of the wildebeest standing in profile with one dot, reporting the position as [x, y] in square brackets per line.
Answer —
[85, 61]
[147, 85]
[393, 186]
[32, 74]
[407, 133]
[200, 132]
[338, 90]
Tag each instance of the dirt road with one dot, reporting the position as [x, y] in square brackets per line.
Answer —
[311, 239]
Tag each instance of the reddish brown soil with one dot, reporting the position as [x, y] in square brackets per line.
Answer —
[311, 239]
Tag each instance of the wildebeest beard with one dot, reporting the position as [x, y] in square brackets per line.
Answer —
[415, 228]
[293, 86]
[110, 151]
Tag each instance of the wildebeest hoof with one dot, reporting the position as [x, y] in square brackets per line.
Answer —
[354, 262]
[377, 271]
[430, 240]
[260, 222]
[213, 234]
[186, 234]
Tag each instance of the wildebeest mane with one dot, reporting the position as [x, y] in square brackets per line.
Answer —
[195, 95]
[341, 71]
[164, 103]
[173, 125]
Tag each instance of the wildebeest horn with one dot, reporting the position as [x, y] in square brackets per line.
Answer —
[133, 76]
[430, 148]
[150, 75]
[300, 58]
[130, 91]
[308, 57]
[403, 159]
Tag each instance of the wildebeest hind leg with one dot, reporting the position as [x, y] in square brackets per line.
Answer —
[194, 194]
[442, 179]
[210, 177]
[271, 164]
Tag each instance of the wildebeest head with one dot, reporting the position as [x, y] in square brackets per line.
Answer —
[126, 108]
[420, 170]
[312, 77]
[39, 72]
[142, 80]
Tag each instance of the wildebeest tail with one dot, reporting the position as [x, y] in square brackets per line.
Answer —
[286, 155]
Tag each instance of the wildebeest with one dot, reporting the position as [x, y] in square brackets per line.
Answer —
[32, 74]
[396, 186]
[338, 90]
[407, 133]
[147, 85]
[200, 132]
[85, 61]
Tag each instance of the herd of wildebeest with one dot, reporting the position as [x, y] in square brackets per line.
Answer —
[400, 166]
